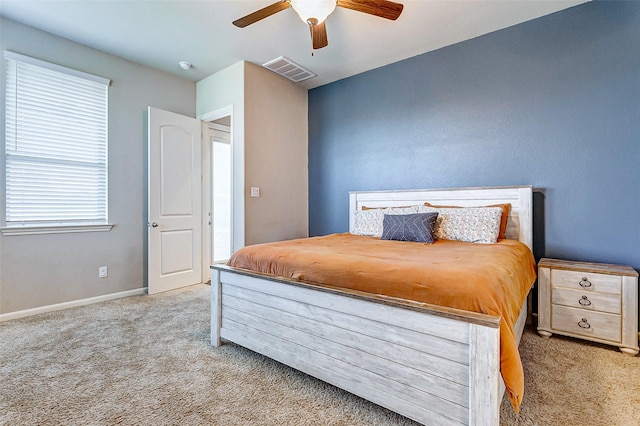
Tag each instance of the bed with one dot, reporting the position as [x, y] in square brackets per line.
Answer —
[436, 365]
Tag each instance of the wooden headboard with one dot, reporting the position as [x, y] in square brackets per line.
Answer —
[519, 227]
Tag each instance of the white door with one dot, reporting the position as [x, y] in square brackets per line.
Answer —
[175, 201]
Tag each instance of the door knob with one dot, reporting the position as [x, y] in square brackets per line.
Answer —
[154, 224]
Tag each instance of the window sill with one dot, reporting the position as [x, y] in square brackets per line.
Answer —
[62, 229]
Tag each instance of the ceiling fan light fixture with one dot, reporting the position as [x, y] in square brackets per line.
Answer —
[313, 12]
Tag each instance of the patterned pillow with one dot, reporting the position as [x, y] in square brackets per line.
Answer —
[409, 227]
[469, 224]
[506, 210]
[369, 222]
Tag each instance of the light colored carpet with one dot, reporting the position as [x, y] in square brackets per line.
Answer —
[146, 360]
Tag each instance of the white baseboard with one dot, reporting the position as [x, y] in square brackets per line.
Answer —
[72, 304]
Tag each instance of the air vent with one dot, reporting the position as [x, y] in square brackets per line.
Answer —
[289, 69]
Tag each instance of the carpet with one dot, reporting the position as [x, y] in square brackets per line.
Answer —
[146, 360]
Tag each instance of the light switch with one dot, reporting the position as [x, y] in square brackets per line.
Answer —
[255, 191]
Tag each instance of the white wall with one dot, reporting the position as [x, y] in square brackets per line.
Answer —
[219, 91]
[269, 131]
[42, 270]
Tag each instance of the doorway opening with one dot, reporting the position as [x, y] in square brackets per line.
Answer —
[221, 189]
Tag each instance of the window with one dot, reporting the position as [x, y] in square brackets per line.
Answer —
[56, 146]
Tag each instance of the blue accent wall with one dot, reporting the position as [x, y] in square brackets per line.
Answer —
[553, 102]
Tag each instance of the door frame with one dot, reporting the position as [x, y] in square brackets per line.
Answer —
[207, 176]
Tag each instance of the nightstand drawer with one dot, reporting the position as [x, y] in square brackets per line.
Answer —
[582, 323]
[587, 281]
[588, 300]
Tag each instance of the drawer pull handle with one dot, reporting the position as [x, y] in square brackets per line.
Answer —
[584, 323]
[585, 301]
[585, 283]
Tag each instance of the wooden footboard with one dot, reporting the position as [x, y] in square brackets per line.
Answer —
[435, 365]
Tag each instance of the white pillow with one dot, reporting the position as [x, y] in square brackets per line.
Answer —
[369, 221]
[468, 224]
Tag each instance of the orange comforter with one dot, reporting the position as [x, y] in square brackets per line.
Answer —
[492, 279]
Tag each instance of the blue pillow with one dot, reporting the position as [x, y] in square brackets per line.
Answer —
[417, 227]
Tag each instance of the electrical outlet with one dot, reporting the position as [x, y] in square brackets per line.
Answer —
[102, 272]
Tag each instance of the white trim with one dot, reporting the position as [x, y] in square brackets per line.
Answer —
[219, 127]
[71, 304]
[208, 119]
[55, 67]
[206, 198]
[219, 113]
[63, 229]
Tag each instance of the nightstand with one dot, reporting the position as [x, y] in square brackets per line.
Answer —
[592, 301]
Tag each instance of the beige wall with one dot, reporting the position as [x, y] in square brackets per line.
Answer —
[275, 157]
[269, 148]
[42, 270]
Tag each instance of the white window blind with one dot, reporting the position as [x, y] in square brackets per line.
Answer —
[56, 144]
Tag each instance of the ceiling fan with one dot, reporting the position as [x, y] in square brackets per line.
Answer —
[314, 12]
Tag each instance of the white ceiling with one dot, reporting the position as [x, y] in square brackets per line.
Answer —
[160, 33]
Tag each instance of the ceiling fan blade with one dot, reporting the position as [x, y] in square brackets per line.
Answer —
[319, 35]
[382, 8]
[262, 13]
